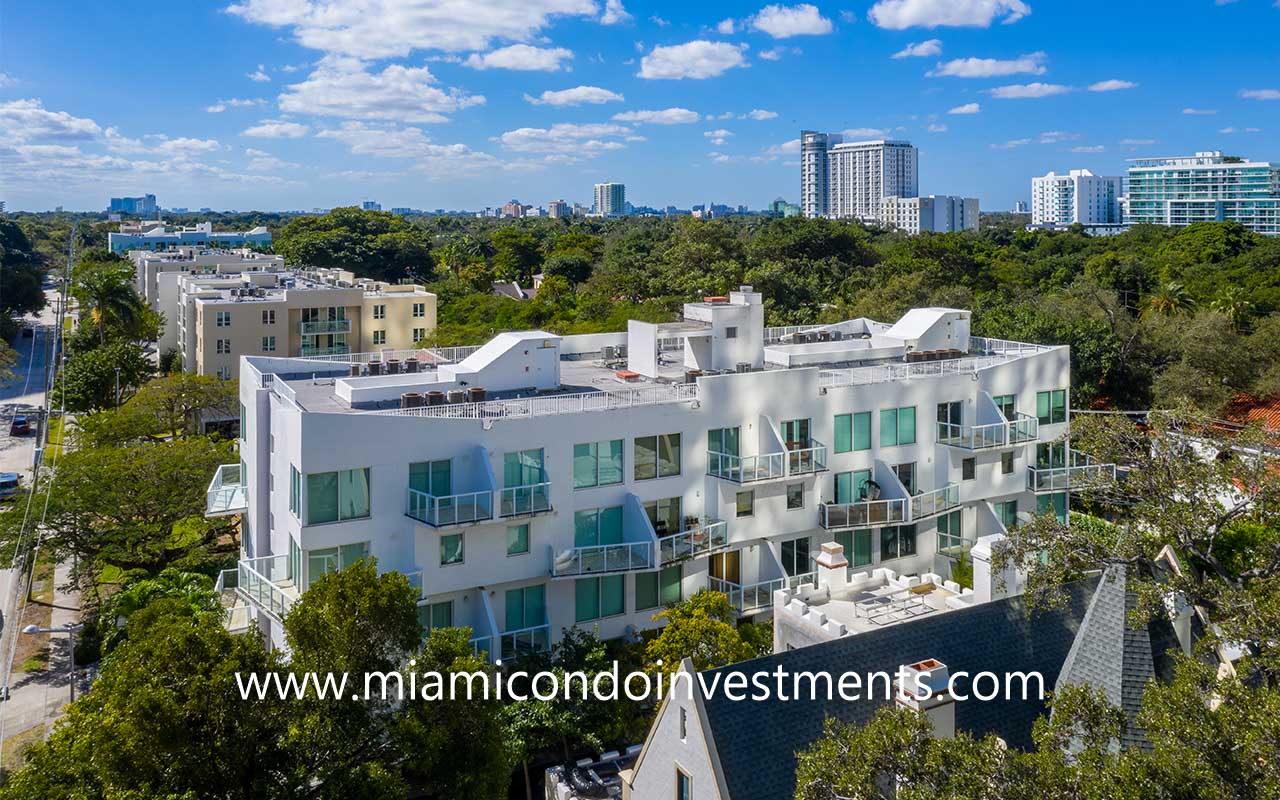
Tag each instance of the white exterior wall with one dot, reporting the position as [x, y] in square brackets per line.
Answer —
[935, 213]
[665, 751]
[1077, 197]
[757, 402]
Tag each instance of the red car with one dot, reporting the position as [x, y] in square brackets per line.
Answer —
[21, 426]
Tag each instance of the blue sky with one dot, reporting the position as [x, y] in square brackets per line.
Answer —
[280, 104]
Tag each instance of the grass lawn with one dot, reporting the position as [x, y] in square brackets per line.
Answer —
[57, 430]
[15, 744]
[33, 649]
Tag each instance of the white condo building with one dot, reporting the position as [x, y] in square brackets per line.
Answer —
[610, 199]
[540, 482]
[1206, 187]
[1076, 197]
[937, 213]
[840, 179]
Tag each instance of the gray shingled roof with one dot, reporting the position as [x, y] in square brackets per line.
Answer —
[1110, 655]
[757, 741]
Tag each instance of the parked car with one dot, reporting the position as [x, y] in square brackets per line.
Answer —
[9, 484]
[20, 426]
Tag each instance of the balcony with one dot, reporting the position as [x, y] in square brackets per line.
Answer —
[862, 514]
[227, 493]
[324, 326]
[524, 642]
[455, 509]
[701, 540]
[527, 500]
[601, 559]
[747, 469]
[1079, 473]
[748, 598]
[1024, 428]
[311, 351]
[265, 582]
[807, 460]
[938, 501]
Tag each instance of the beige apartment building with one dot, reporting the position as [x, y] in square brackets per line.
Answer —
[323, 312]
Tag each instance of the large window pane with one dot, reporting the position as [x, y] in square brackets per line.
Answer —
[586, 599]
[646, 590]
[353, 493]
[907, 425]
[610, 455]
[862, 430]
[515, 610]
[670, 585]
[611, 525]
[584, 465]
[586, 527]
[451, 549]
[888, 427]
[613, 595]
[349, 554]
[843, 439]
[861, 548]
[646, 457]
[517, 539]
[322, 497]
[668, 455]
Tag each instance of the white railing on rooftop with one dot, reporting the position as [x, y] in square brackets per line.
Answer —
[1023, 428]
[282, 388]
[553, 405]
[888, 373]
[426, 355]
[694, 542]
[982, 344]
[775, 335]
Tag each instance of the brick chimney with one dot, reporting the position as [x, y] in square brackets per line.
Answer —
[928, 677]
[833, 567]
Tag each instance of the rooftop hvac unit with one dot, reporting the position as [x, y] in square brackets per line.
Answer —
[609, 352]
[457, 396]
[744, 366]
[393, 366]
[837, 335]
[435, 397]
[412, 400]
[411, 364]
[375, 367]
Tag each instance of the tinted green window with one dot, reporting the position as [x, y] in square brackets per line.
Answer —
[433, 477]
[597, 464]
[843, 440]
[723, 440]
[596, 526]
[451, 549]
[613, 595]
[517, 539]
[522, 468]
[322, 497]
[862, 430]
[525, 607]
[669, 580]
[1051, 406]
[1057, 502]
[857, 546]
[897, 426]
[646, 590]
[586, 599]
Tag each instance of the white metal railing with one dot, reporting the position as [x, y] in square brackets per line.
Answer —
[259, 581]
[775, 335]
[795, 581]
[601, 558]
[938, 501]
[227, 493]
[1023, 428]
[427, 356]
[416, 581]
[982, 344]
[746, 469]
[694, 542]
[864, 513]
[482, 646]
[553, 405]
[282, 389]
[1080, 471]
[807, 460]
[534, 639]
[888, 373]
[321, 326]
[454, 509]
[534, 498]
[749, 597]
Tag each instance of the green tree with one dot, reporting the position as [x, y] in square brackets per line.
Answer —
[702, 629]
[374, 244]
[191, 590]
[172, 406]
[102, 378]
[517, 254]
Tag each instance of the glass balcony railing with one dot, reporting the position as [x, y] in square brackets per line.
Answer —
[865, 513]
[227, 493]
[265, 582]
[750, 597]
[454, 509]
[602, 558]
[308, 351]
[1024, 428]
[534, 498]
[323, 326]
[695, 542]
[807, 460]
[526, 641]
[746, 469]
[1080, 472]
[938, 501]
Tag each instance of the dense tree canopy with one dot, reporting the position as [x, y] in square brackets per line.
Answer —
[373, 244]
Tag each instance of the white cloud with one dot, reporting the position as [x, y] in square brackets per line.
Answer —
[261, 161]
[216, 108]
[1231, 130]
[1031, 64]
[773, 53]
[1138, 141]
[276, 129]
[783, 22]
[1028, 90]
[967, 108]
[7, 80]
[659, 21]
[342, 87]
[900, 14]
[26, 120]
[936, 127]
[1260, 94]
[578, 95]
[614, 13]
[787, 148]
[386, 141]
[1199, 112]
[234, 102]
[375, 29]
[1112, 85]
[759, 114]
[697, 60]
[1089, 148]
[726, 27]
[158, 144]
[718, 137]
[848, 16]
[667, 116]
[259, 75]
[931, 47]
[567, 139]
[1053, 137]
[1009, 145]
[521, 57]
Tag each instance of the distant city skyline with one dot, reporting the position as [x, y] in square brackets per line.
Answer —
[275, 106]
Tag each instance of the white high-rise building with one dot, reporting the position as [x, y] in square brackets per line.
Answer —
[1077, 197]
[610, 199]
[1206, 187]
[937, 213]
[541, 482]
[840, 179]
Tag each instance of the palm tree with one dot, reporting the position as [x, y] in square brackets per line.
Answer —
[111, 300]
[1232, 302]
[1171, 298]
